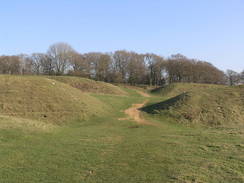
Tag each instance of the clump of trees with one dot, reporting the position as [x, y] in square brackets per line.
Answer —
[120, 66]
[234, 78]
[10, 65]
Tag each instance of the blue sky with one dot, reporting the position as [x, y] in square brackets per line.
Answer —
[211, 30]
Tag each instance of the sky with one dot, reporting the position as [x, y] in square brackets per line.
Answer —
[209, 30]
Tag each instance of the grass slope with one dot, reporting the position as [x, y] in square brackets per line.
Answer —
[44, 99]
[9, 122]
[88, 85]
[202, 104]
[105, 149]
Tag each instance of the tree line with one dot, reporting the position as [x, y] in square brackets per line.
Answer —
[119, 67]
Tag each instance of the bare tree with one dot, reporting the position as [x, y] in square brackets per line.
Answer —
[150, 62]
[91, 63]
[78, 64]
[37, 63]
[102, 67]
[26, 66]
[121, 60]
[156, 70]
[10, 65]
[60, 54]
[242, 77]
[47, 65]
[136, 69]
[233, 77]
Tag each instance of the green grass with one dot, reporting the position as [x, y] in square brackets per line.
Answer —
[105, 149]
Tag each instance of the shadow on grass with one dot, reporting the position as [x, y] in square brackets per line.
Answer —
[156, 108]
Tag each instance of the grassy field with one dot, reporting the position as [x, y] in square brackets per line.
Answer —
[102, 148]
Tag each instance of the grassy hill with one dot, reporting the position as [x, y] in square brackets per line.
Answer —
[109, 146]
[88, 85]
[45, 99]
[201, 103]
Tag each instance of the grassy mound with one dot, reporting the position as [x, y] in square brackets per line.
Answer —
[106, 149]
[88, 85]
[206, 104]
[41, 98]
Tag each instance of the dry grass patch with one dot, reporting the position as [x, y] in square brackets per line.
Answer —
[44, 99]
[7, 122]
[88, 85]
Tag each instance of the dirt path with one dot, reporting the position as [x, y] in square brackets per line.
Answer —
[134, 113]
[143, 93]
